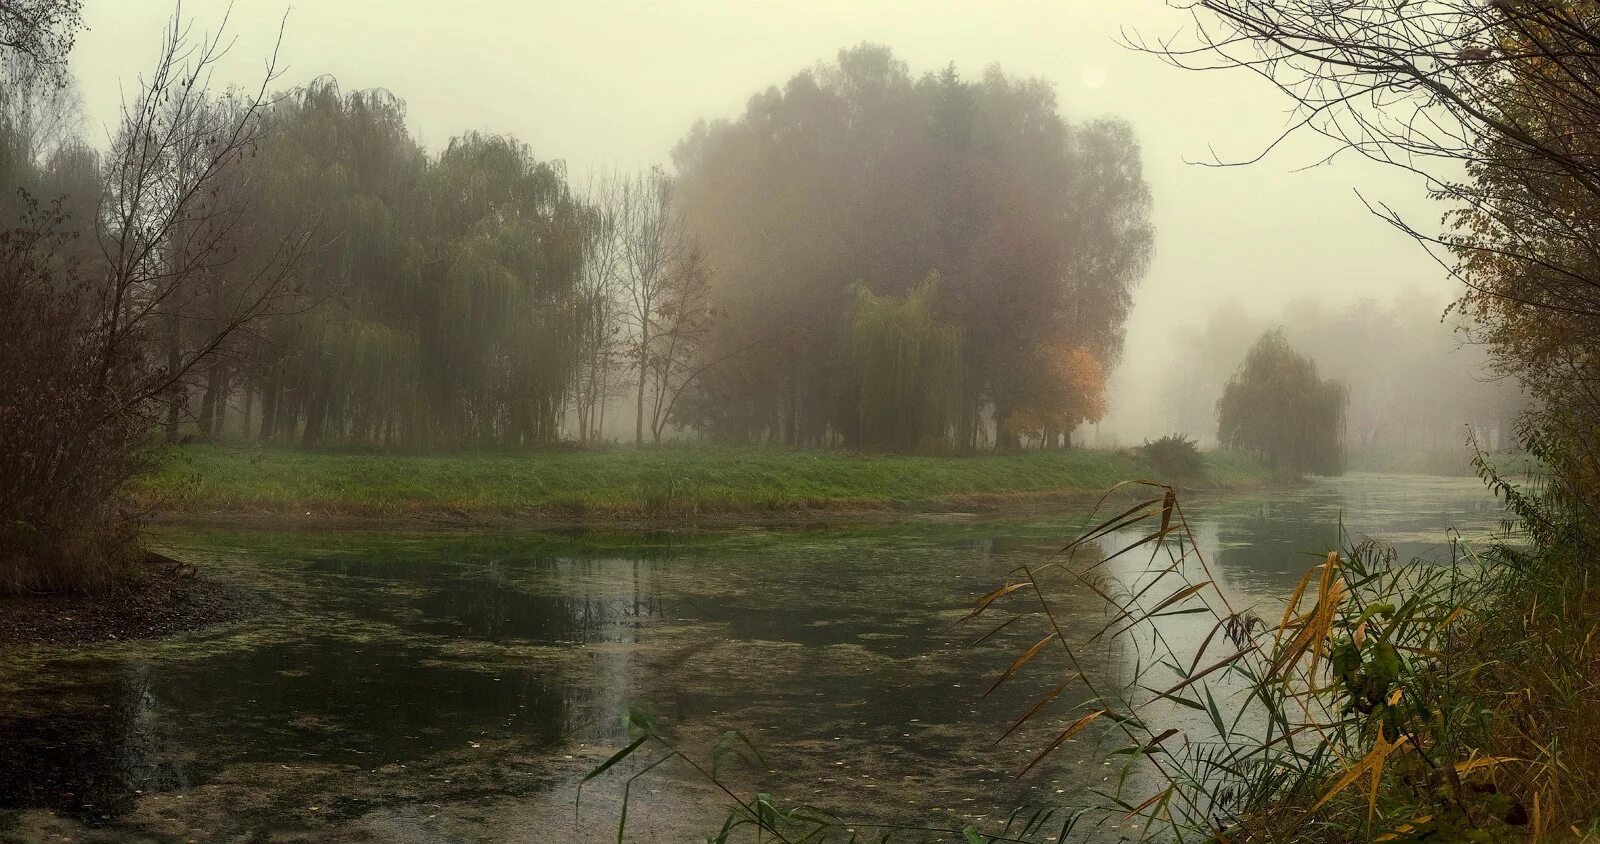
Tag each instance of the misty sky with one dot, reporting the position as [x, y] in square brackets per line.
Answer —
[612, 84]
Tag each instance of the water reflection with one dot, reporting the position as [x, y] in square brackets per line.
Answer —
[517, 594]
[836, 650]
[94, 754]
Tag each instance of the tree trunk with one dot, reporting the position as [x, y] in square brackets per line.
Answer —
[638, 418]
[180, 393]
[1003, 440]
[582, 391]
[209, 399]
[289, 414]
[600, 413]
[219, 423]
[249, 405]
[791, 407]
[314, 412]
[269, 407]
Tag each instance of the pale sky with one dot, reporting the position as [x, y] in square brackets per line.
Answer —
[602, 84]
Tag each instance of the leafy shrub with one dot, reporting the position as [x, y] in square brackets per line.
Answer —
[1175, 456]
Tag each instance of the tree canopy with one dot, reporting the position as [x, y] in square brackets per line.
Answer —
[441, 310]
[857, 173]
[1278, 407]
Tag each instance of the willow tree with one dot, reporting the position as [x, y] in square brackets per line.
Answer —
[40, 34]
[1278, 407]
[340, 367]
[41, 151]
[498, 317]
[443, 309]
[906, 391]
[859, 170]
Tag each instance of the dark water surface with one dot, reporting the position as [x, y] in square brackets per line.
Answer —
[457, 686]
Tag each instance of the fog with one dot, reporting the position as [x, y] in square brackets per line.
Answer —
[613, 86]
[487, 405]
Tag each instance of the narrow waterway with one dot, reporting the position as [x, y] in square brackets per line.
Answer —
[458, 686]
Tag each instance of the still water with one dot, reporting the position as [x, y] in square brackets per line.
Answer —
[457, 686]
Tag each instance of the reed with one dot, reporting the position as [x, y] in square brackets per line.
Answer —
[1384, 700]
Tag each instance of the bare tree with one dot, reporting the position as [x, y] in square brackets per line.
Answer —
[654, 243]
[174, 214]
[1500, 92]
[80, 393]
[601, 288]
[683, 318]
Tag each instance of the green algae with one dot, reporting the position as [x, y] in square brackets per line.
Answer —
[458, 685]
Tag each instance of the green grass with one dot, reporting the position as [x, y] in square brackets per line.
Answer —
[651, 482]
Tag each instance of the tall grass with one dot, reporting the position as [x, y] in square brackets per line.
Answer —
[1388, 700]
[1232, 719]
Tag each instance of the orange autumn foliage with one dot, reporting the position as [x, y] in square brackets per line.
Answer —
[1073, 392]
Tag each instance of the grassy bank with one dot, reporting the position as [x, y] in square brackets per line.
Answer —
[640, 484]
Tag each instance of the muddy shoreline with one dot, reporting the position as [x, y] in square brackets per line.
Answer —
[160, 597]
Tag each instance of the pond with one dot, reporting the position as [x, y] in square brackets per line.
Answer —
[458, 686]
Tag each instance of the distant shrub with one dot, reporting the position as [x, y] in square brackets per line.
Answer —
[1175, 456]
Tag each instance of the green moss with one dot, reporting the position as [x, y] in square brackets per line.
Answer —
[651, 482]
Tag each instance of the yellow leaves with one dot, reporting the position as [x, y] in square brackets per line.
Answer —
[1021, 661]
[1476, 763]
[1405, 828]
[1027, 419]
[1154, 799]
[1371, 764]
[1059, 740]
[1312, 630]
[1085, 377]
[986, 600]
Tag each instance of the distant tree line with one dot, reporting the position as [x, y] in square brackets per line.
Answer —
[866, 259]
[1416, 384]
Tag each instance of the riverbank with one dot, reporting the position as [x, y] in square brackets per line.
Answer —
[624, 487]
[159, 597]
